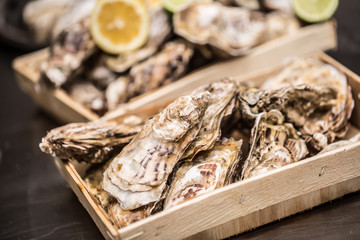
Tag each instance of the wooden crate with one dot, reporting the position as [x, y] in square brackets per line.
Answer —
[58, 103]
[246, 204]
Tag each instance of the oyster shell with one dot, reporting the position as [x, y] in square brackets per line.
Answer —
[280, 5]
[209, 170]
[249, 4]
[279, 24]
[138, 175]
[92, 142]
[159, 30]
[121, 218]
[273, 144]
[221, 104]
[71, 48]
[340, 144]
[233, 30]
[88, 95]
[117, 92]
[329, 117]
[164, 67]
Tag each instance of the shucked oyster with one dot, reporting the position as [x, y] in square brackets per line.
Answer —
[163, 68]
[67, 53]
[138, 175]
[121, 218]
[90, 142]
[273, 144]
[221, 103]
[323, 119]
[233, 30]
[209, 170]
[159, 31]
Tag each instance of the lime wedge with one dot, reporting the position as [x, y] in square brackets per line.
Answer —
[176, 5]
[314, 10]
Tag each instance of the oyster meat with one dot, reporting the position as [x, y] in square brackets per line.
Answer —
[71, 48]
[232, 30]
[165, 67]
[273, 144]
[159, 30]
[328, 117]
[138, 175]
[209, 170]
[92, 142]
[221, 104]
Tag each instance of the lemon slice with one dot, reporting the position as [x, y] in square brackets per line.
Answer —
[176, 5]
[119, 26]
[314, 10]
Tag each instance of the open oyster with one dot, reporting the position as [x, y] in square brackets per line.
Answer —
[71, 48]
[323, 119]
[91, 142]
[273, 144]
[159, 31]
[209, 170]
[233, 30]
[221, 104]
[165, 67]
[138, 175]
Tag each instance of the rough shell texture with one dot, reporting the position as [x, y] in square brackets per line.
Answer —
[221, 104]
[138, 175]
[121, 218]
[71, 48]
[279, 24]
[165, 67]
[92, 142]
[209, 170]
[159, 31]
[233, 30]
[329, 117]
[273, 144]
[117, 92]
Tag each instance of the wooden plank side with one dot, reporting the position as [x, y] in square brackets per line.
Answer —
[250, 196]
[87, 200]
[308, 40]
[280, 210]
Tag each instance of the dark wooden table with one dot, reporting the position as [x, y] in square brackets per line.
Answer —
[37, 203]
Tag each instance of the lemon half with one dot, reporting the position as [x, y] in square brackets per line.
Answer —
[119, 26]
[314, 10]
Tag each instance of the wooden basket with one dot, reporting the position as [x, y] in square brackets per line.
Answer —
[58, 103]
[247, 204]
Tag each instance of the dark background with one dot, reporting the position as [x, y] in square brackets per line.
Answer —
[37, 203]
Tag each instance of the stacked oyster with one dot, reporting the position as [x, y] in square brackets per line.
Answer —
[197, 35]
[187, 149]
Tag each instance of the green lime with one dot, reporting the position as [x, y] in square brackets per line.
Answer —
[176, 5]
[314, 10]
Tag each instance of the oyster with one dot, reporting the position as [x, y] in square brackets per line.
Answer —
[117, 92]
[138, 175]
[209, 170]
[280, 5]
[249, 4]
[121, 218]
[221, 104]
[340, 144]
[328, 118]
[273, 144]
[159, 31]
[88, 95]
[71, 48]
[233, 30]
[279, 24]
[92, 142]
[163, 68]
